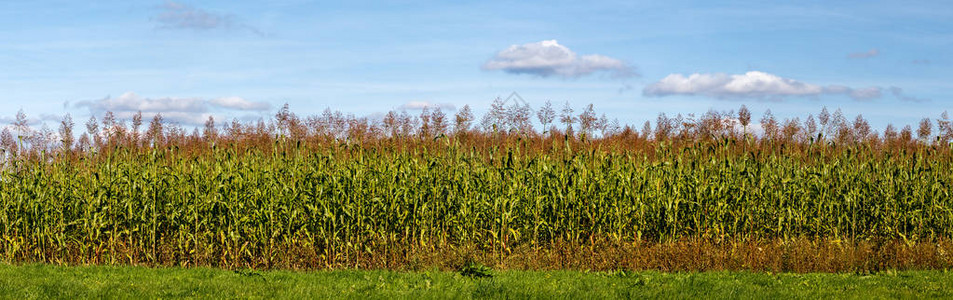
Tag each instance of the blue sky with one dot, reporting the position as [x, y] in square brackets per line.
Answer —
[887, 60]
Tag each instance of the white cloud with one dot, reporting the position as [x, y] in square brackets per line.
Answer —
[868, 54]
[753, 84]
[184, 110]
[750, 84]
[175, 15]
[549, 58]
[129, 101]
[420, 105]
[239, 104]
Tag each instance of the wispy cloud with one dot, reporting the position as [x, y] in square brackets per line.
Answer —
[31, 120]
[866, 93]
[193, 111]
[753, 84]
[549, 58]
[7, 120]
[921, 62]
[898, 92]
[176, 15]
[625, 88]
[868, 54]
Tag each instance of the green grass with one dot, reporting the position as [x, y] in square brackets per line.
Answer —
[46, 281]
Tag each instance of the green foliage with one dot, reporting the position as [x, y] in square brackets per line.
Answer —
[232, 208]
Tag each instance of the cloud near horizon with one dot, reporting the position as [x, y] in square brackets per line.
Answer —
[753, 84]
[192, 111]
[549, 58]
[420, 105]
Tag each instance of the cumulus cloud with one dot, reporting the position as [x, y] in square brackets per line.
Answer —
[750, 84]
[753, 84]
[549, 58]
[176, 15]
[898, 92]
[867, 54]
[193, 111]
[420, 105]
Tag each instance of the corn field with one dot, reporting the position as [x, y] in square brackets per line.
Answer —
[279, 201]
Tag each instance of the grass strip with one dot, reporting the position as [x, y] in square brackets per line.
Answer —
[52, 281]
